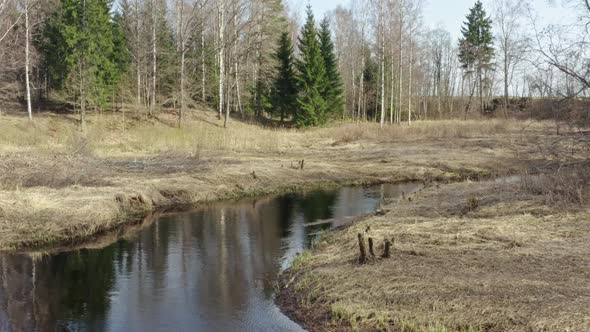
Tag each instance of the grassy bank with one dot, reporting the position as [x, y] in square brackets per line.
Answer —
[487, 256]
[59, 186]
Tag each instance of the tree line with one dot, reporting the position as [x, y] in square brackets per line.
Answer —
[156, 56]
[375, 60]
[395, 68]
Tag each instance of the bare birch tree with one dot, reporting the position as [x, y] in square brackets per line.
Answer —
[187, 16]
[7, 23]
[221, 52]
[508, 15]
[382, 57]
[154, 14]
[27, 4]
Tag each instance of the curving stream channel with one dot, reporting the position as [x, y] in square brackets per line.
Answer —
[208, 269]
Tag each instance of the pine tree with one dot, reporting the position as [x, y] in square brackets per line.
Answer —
[333, 89]
[476, 49]
[285, 85]
[312, 77]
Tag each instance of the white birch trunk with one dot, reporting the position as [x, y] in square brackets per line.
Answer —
[382, 59]
[181, 46]
[137, 57]
[410, 79]
[182, 66]
[27, 61]
[203, 64]
[401, 55]
[154, 57]
[221, 23]
[236, 61]
[362, 69]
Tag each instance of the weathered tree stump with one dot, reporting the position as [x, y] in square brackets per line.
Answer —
[386, 249]
[362, 249]
[371, 251]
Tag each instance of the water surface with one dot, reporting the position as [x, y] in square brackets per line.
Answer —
[209, 269]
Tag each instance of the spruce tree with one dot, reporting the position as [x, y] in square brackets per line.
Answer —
[82, 51]
[120, 55]
[311, 77]
[333, 89]
[476, 48]
[285, 85]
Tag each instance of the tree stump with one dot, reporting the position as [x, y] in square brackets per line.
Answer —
[362, 249]
[387, 249]
[371, 251]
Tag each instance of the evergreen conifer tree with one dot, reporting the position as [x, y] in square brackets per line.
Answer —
[311, 77]
[333, 88]
[82, 50]
[285, 85]
[476, 48]
[120, 56]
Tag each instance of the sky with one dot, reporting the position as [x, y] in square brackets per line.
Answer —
[450, 14]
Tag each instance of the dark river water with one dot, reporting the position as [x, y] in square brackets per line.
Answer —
[209, 269]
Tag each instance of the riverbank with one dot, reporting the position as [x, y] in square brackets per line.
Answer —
[485, 256]
[59, 186]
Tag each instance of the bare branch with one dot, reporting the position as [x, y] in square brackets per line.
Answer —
[10, 27]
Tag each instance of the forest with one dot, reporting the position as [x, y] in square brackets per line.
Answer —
[264, 60]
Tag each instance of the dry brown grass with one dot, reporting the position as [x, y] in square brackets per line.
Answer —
[569, 188]
[108, 134]
[422, 130]
[487, 256]
[511, 263]
[59, 185]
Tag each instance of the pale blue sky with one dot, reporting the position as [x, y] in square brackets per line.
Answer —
[451, 13]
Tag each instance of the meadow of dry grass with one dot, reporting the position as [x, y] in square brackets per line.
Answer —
[58, 185]
[486, 256]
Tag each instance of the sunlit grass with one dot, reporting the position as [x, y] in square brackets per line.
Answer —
[352, 132]
[108, 134]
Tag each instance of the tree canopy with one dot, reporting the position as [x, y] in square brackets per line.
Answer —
[312, 77]
[333, 88]
[285, 85]
[476, 46]
[84, 50]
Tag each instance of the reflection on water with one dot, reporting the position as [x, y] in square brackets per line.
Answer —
[211, 269]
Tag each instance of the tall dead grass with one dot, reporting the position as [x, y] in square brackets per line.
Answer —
[565, 189]
[44, 133]
[200, 136]
[353, 132]
[109, 135]
[113, 134]
[52, 152]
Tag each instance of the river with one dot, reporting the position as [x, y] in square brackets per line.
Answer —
[209, 269]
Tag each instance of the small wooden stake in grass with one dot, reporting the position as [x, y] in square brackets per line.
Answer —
[387, 249]
[362, 249]
[371, 247]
